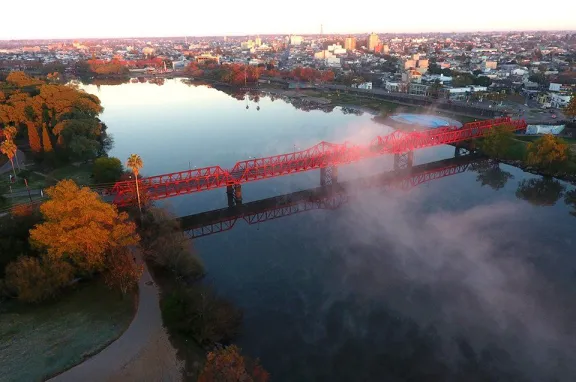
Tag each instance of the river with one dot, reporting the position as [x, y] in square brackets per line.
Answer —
[468, 277]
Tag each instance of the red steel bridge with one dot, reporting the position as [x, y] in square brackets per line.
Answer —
[328, 197]
[325, 156]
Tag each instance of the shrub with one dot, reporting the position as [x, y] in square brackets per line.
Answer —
[33, 280]
[107, 170]
[197, 312]
[167, 247]
[228, 365]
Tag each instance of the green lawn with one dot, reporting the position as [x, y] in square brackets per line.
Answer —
[532, 138]
[80, 174]
[39, 341]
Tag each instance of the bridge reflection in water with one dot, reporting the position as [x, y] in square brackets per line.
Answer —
[329, 196]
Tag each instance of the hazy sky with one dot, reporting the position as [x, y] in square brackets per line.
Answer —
[131, 18]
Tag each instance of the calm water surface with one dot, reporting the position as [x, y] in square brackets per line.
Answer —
[469, 277]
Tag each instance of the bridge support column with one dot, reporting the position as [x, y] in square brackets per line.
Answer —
[238, 194]
[403, 161]
[328, 175]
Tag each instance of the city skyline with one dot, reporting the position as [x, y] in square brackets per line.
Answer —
[130, 19]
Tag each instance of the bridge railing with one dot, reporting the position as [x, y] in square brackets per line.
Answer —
[321, 155]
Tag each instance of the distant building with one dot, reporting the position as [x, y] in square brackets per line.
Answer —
[207, 58]
[418, 89]
[350, 43]
[373, 40]
[148, 51]
[558, 100]
[258, 41]
[491, 65]
[385, 49]
[296, 40]
[409, 64]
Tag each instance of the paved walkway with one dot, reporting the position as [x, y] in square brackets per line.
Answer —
[140, 335]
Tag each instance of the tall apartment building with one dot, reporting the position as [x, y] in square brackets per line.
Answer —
[373, 40]
[350, 43]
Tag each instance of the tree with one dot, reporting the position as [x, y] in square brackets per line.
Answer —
[10, 132]
[80, 227]
[34, 279]
[107, 170]
[490, 174]
[135, 164]
[570, 199]
[540, 192]
[46, 140]
[122, 272]
[570, 109]
[548, 152]
[496, 141]
[9, 149]
[228, 365]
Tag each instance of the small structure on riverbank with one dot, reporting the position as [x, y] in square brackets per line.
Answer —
[420, 121]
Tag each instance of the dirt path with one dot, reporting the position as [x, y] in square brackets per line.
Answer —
[142, 353]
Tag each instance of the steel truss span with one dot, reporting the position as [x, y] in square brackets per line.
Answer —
[320, 156]
[327, 197]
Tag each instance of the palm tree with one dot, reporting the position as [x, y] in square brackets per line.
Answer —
[9, 149]
[135, 163]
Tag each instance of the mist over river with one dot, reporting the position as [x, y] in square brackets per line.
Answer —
[470, 277]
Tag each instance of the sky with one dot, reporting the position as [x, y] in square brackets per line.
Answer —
[41, 19]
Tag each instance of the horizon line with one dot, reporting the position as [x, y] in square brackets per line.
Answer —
[288, 34]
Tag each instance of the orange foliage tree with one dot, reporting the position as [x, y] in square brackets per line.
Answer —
[548, 152]
[228, 365]
[80, 227]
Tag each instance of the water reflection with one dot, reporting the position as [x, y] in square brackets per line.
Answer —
[490, 174]
[328, 197]
[544, 191]
[570, 199]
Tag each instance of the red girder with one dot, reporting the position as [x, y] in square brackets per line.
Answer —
[321, 155]
[330, 202]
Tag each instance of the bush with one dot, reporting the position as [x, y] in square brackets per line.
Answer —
[14, 234]
[33, 280]
[107, 170]
[228, 365]
[197, 312]
[167, 247]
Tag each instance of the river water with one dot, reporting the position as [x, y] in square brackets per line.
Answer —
[469, 277]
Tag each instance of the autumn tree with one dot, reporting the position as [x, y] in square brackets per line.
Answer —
[570, 109]
[8, 148]
[46, 140]
[21, 79]
[80, 227]
[34, 139]
[226, 364]
[34, 280]
[122, 272]
[548, 152]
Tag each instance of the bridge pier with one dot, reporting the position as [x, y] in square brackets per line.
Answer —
[403, 161]
[234, 193]
[328, 175]
[238, 193]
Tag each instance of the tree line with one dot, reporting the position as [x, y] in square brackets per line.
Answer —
[55, 122]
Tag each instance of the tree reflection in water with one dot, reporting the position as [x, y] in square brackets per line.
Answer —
[490, 174]
[570, 199]
[545, 191]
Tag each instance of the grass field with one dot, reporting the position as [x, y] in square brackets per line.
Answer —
[39, 341]
[532, 138]
[80, 174]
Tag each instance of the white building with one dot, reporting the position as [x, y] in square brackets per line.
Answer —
[296, 40]
[559, 100]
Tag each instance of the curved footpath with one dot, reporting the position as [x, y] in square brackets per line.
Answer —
[142, 353]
